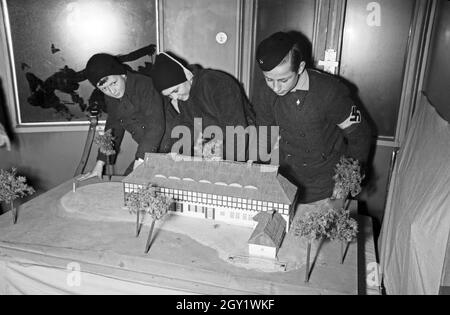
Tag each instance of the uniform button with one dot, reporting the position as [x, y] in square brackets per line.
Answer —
[289, 155]
[305, 165]
[121, 121]
[143, 127]
[308, 151]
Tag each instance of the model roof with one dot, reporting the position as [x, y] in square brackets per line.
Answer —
[270, 229]
[236, 179]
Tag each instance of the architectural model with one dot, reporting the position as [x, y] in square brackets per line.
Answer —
[226, 191]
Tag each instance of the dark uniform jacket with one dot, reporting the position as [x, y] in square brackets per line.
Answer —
[311, 142]
[140, 112]
[215, 97]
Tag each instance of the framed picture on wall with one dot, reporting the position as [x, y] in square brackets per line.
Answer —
[50, 41]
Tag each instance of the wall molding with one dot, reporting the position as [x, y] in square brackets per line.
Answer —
[329, 16]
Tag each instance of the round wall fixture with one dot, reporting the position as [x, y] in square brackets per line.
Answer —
[221, 38]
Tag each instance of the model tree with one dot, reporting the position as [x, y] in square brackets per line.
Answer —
[105, 143]
[326, 224]
[147, 199]
[347, 181]
[346, 230]
[13, 187]
[315, 226]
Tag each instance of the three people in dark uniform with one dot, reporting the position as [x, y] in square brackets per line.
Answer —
[317, 118]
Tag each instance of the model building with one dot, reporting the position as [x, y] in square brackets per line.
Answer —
[231, 192]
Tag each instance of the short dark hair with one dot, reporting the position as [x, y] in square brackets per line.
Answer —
[296, 56]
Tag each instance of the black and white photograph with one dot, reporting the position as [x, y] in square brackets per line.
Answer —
[246, 151]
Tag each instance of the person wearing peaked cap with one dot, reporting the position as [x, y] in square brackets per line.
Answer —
[211, 95]
[318, 120]
[132, 104]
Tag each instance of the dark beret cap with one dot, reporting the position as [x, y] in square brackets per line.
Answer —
[166, 73]
[272, 50]
[103, 65]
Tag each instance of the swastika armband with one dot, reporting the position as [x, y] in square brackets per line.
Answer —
[354, 118]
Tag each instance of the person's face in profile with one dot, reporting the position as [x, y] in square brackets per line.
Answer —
[113, 85]
[178, 92]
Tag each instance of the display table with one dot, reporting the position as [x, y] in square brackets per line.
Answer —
[50, 251]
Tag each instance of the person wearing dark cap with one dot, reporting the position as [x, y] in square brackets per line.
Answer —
[211, 95]
[318, 120]
[132, 104]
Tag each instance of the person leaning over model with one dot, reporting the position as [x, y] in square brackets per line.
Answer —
[318, 120]
[132, 104]
[211, 95]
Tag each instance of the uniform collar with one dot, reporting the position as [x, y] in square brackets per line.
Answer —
[302, 83]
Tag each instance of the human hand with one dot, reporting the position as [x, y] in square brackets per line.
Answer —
[96, 171]
[137, 163]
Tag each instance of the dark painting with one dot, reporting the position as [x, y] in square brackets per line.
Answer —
[52, 40]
